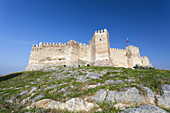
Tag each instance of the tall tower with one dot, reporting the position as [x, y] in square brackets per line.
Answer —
[100, 47]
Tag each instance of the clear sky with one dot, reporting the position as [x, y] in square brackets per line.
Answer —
[26, 22]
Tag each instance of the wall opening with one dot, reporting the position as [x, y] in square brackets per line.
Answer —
[78, 65]
[64, 65]
[88, 64]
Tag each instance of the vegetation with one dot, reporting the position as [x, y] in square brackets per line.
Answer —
[12, 85]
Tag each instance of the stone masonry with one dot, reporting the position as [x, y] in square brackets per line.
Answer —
[97, 53]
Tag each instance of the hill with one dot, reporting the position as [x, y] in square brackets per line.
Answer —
[86, 89]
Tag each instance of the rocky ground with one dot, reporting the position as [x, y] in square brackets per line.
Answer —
[86, 89]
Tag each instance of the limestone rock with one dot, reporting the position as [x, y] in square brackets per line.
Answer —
[93, 75]
[100, 96]
[63, 89]
[50, 87]
[144, 109]
[113, 82]
[150, 95]
[23, 92]
[130, 80]
[82, 79]
[131, 96]
[111, 75]
[11, 100]
[121, 106]
[37, 98]
[164, 100]
[74, 105]
[33, 89]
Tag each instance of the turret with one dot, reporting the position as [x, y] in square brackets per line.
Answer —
[101, 46]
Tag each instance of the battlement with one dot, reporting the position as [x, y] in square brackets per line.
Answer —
[100, 31]
[54, 44]
[50, 44]
[116, 49]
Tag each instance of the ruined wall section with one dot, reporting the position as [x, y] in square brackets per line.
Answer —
[133, 56]
[145, 61]
[119, 58]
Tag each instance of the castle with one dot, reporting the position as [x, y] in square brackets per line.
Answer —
[97, 53]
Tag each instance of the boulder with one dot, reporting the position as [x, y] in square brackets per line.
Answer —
[144, 109]
[73, 105]
[93, 75]
[113, 82]
[164, 100]
[150, 95]
[100, 96]
[131, 96]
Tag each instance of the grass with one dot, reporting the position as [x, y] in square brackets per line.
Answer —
[152, 78]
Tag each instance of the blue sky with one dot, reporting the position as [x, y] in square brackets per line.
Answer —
[26, 22]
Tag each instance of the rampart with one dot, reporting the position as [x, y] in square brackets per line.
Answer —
[97, 53]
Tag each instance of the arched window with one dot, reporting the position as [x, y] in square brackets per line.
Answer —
[100, 39]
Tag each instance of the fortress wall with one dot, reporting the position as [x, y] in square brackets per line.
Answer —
[145, 61]
[49, 53]
[84, 52]
[118, 57]
[92, 49]
[74, 47]
[135, 57]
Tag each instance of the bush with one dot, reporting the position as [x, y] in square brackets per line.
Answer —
[142, 67]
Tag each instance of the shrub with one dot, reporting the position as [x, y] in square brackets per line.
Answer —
[142, 67]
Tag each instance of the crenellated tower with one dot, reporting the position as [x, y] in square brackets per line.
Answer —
[100, 48]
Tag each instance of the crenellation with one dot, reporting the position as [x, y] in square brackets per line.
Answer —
[97, 53]
[105, 30]
[98, 31]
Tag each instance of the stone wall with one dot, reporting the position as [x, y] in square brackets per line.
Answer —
[97, 53]
[119, 58]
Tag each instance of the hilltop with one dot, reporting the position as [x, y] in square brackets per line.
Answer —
[86, 89]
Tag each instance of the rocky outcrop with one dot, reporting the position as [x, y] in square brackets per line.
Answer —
[130, 96]
[100, 96]
[164, 100]
[144, 109]
[74, 105]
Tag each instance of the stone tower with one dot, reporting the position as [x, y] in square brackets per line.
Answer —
[100, 48]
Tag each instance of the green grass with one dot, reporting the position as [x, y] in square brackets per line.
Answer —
[152, 78]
